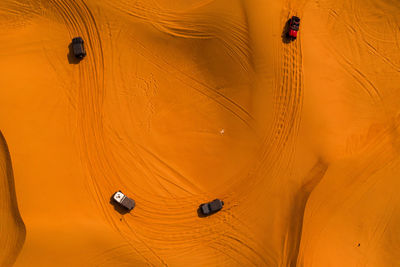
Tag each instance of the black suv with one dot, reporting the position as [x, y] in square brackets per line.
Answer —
[211, 207]
[78, 48]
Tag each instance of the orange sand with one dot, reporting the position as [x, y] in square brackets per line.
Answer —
[181, 102]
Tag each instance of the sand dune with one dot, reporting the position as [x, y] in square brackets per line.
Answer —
[12, 230]
[181, 102]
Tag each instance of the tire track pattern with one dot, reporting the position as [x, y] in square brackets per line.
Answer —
[194, 24]
[287, 100]
[275, 165]
[150, 232]
[80, 21]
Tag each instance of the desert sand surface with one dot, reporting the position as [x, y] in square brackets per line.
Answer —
[179, 102]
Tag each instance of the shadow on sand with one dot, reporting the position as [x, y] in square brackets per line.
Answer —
[199, 213]
[12, 227]
[70, 56]
[285, 33]
[117, 207]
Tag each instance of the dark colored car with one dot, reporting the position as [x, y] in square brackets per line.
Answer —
[123, 200]
[211, 207]
[294, 25]
[78, 47]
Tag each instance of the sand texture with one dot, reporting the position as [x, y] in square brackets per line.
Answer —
[179, 102]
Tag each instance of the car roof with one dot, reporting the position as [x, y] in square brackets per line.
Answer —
[216, 204]
[77, 39]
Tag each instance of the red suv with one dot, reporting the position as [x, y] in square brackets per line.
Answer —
[294, 25]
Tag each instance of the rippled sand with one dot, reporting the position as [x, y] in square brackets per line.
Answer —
[180, 102]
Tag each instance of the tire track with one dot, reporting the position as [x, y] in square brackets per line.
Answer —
[278, 147]
[366, 84]
[368, 87]
[363, 34]
[180, 20]
[89, 103]
[18, 13]
[160, 234]
[364, 28]
[80, 21]
[288, 101]
[191, 24]
[199, 86]
[156, 217]
[153, 172]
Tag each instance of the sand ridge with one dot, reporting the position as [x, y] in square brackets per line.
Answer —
[12, 226]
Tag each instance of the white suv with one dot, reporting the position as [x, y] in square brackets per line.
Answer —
[123, 200]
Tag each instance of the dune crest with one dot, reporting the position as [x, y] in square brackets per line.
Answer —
[12, 230]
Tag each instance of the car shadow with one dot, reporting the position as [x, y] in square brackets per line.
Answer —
[285, 33]
[70, 56]
[121, 210]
